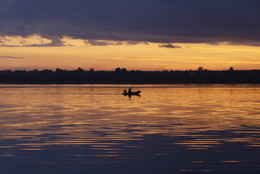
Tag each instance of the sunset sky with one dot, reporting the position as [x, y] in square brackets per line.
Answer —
[135, 34]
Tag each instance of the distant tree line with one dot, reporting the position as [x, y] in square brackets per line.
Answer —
[122, 76]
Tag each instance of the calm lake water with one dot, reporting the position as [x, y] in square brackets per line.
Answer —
[94, 129]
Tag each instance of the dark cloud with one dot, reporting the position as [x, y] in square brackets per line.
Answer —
[165, 21]
[169, 46]
[103, 43]
[111, 42]
[10, 57]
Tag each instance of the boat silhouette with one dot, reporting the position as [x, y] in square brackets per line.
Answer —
[131, 93]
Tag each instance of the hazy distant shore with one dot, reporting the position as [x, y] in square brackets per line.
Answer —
[122, 76]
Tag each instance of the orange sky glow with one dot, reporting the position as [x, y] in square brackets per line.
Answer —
[138, 56]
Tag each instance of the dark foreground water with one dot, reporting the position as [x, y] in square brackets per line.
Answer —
[93, 129]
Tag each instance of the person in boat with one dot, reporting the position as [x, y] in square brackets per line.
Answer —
[129, 90]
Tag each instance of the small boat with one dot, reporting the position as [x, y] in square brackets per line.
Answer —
[131, 93]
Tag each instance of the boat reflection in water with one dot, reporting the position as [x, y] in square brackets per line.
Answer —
[94, 129]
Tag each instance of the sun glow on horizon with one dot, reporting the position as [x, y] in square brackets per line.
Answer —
[107, 55]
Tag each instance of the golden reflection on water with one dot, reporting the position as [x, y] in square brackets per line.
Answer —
[37, 117]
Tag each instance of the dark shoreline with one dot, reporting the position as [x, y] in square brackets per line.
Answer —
[122, 76]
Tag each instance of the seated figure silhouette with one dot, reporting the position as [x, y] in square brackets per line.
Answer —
[130, 91]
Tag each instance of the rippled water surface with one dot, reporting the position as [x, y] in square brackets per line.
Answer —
[78, 129]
